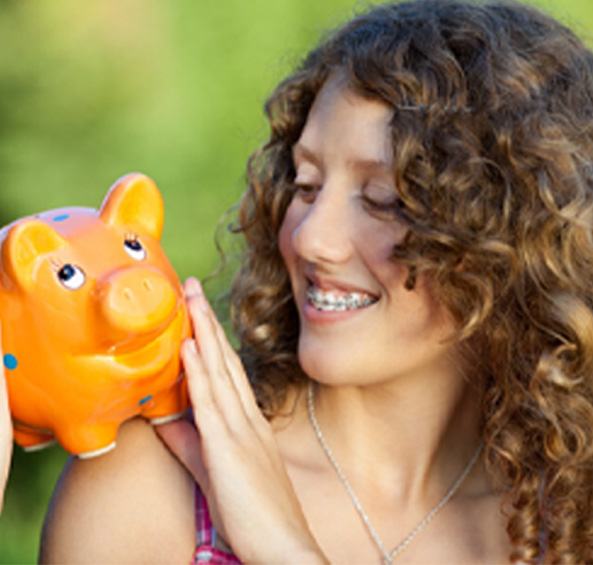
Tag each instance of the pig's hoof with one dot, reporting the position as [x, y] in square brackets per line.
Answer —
[39, 446]
[165, 419]
[96, 452]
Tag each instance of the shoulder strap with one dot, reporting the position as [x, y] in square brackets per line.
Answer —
[205, 533]
[210, 548]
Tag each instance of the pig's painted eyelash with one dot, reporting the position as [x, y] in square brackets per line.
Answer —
[134, 248]
[69, 275]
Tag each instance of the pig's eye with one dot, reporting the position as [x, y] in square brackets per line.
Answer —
[71, 276]
[134, 249]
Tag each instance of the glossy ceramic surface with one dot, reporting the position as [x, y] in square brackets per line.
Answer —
[93, 317]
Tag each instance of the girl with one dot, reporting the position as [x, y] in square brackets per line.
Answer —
[414, 309]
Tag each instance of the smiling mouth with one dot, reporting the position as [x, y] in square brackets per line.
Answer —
[338, 301]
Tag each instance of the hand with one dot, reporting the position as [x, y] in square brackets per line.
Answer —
[233, 454]
[5, 430]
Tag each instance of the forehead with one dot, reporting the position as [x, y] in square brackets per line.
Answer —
[342, 121]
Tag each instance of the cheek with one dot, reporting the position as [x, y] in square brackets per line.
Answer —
[375, 245]
[287, 228]
[427, 320]
[378, 237]
[391, 272]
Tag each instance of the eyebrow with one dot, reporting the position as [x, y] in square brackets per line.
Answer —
[382, 165]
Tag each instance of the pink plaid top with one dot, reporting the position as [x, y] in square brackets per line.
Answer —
[209, 548]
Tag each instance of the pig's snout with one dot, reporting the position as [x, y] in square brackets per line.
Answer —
[137, 301]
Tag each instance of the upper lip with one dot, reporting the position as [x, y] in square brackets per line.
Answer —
[329, 284]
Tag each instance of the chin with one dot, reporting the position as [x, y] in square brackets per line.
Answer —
[318, 364]
[330, 368]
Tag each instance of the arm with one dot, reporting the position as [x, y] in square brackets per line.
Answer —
[132, 505]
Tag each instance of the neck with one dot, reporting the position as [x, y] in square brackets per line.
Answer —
[413, 436]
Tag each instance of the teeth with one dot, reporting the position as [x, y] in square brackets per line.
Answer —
[329, 302]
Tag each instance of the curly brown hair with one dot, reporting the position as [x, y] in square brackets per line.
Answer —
[493, 151]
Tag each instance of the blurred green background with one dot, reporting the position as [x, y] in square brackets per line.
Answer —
[93, 89]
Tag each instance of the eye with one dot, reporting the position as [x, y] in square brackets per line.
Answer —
[71, 276]
[381, 205]
[382, 200]
[306, 192]
[134, 248]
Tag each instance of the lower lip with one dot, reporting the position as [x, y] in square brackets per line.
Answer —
[329, 317]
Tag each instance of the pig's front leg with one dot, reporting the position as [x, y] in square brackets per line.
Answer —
[32, 440]
[170, 404]
[88, 440]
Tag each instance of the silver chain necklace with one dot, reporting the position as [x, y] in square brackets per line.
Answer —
[387, 556]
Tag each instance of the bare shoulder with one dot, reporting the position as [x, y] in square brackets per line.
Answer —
[132, 505]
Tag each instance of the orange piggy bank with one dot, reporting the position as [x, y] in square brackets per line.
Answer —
[93, 317]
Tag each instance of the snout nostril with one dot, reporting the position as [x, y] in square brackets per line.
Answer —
[138, 302]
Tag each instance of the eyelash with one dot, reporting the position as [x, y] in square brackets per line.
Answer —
[374, 204]
[55, 264]
[304, 186]
[308, 190]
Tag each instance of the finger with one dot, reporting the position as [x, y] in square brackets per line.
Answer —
[5, 427]
[230, 387]
[5, 421]
[217, 370]
[230, 359]
[198, 384]
[183, 440]
[237, 372]
[229, 354]
[203, 330]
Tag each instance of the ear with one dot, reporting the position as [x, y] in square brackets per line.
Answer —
[24, 244]
[134, 201]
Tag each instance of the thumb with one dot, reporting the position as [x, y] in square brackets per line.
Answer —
[183, 440]
[5, 428]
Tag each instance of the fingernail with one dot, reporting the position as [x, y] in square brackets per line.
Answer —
[193, 287]
[190, 345]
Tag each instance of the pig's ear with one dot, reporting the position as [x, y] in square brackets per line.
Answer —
[135, 202]
[25, 243]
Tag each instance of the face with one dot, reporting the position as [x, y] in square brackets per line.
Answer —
[358, 323]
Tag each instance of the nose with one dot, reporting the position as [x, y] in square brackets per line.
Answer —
[137, 301]
[323, 233]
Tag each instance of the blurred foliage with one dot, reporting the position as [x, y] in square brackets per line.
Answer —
[92, 90]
